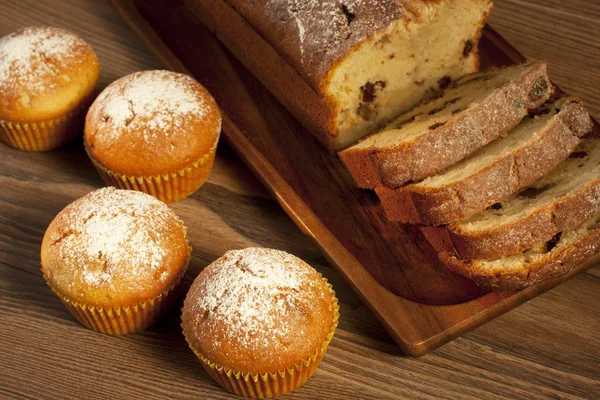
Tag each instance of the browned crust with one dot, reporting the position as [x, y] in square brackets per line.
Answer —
[327, 35]
[556, 264]
[441, 147]
[417, 204]
[564, 214]
[279, 76]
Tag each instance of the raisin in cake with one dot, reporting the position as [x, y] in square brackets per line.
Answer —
[343, 68]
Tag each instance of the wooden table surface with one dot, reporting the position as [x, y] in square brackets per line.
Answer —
[547, 348]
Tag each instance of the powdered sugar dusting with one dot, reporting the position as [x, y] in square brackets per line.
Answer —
[151, 102]
[113, 234]
[251, 292]
[326, 28]
[301, 32]
[29, 56]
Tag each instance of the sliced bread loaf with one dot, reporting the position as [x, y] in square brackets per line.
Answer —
[537, 145]
[557, 202]
[472, 112]
[550, 259]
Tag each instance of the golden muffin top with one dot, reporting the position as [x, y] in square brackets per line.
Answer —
[44, 73]
[258, 310]
[114, 248]
[152, 123]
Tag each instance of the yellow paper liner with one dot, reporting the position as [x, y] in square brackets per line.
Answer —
[271, 384]
[44, 135]
[125, 320]
[167, 187]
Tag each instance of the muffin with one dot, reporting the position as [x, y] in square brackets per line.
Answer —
[47, 81]
[154, 131]
[260, 321]
[114, 257]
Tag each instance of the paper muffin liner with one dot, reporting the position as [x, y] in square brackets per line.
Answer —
[271, 384]
[168, 187]
[125, 320]
[44, 135]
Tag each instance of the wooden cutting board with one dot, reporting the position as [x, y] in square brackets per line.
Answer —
[391, 267]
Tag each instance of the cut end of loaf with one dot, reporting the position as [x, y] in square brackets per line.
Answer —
[400, 65]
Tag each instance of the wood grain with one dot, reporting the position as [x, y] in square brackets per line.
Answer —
[548, 348]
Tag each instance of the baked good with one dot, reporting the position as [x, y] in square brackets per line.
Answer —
[114, 257]
[472, 112]
[553, 258]
[260, 321]
[559, 201]
[48, 78]
[492, 173]
[344, 68]
[154, 131]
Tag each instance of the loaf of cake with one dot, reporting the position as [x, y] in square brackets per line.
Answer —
[471, 113]
[344, 68]
[536, 146]
[559, 201]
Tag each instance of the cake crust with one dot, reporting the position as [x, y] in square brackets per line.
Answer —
[313, 35]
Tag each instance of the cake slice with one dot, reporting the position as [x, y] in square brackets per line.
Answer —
[344, 68]
[553, 258]
[471, 113]
[557, 202]
[537, 145]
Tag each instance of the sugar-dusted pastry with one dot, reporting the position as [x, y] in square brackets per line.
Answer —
[260, 321]
[47, 81]
[154, 131]
[114, 257]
